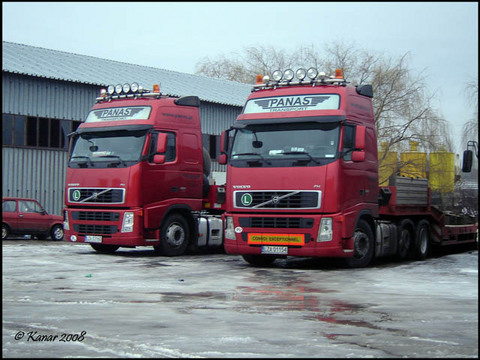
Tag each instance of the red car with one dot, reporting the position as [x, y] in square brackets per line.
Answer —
[27, 217]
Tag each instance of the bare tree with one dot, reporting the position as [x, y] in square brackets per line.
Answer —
[403, 112]
[470, 128]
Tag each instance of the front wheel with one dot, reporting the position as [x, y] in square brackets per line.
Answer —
[57, 233]
[259, 260]
[363, 243]
[174, 236]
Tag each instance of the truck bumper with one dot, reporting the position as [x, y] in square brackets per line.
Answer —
[105, 227]
[251, 234]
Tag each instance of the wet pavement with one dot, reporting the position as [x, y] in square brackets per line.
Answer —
[65, 300]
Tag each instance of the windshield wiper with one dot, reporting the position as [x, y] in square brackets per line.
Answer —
[120, 161]
[254, 154]
[88, 160]
[301, 153]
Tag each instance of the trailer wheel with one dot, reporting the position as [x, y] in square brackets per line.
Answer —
[422, 240]
[104, 249]
[259, 260]
[57, 233]
[405, 239]
[174, 236]
[363, 246]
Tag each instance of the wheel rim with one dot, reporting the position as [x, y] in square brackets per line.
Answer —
[58, 234]
[361, 244]
[175, 235]
[4, 232]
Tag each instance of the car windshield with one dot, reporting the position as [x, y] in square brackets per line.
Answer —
[294, 144]
[107, 148]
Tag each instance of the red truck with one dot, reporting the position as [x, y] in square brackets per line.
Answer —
[302, 179]
[137, 175]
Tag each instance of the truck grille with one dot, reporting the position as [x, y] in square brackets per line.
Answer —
[95, 229]
[95, 216]
[274, 222]
[96, 195]
[277, 199]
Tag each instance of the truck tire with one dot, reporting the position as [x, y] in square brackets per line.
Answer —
[207, 162]
[104, 249]
[405, 239]
[174, 236]
[422, 240]
[259, 260]
[57, 233]
[363, 246]
[5, 231]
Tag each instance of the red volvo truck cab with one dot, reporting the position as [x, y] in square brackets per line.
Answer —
[137, 175]
[302, 176]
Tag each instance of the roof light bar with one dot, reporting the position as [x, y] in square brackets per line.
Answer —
[304, 77]
[126, 90]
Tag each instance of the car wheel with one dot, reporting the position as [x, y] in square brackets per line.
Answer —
[5, 231]
[57, 233]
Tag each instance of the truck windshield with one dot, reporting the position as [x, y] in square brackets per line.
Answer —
[282, 145]
[107, 149]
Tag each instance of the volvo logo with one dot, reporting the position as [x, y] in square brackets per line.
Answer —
[275, 199]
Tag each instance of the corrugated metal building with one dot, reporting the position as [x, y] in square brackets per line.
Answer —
[46, 94]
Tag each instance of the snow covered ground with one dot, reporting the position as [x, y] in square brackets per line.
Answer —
[65, 300]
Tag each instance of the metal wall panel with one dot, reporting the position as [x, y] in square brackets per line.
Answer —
[40, 173]
[215, 117]
[27, 95]
[37, 174]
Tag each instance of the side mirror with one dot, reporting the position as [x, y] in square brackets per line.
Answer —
[222, 159]
[467, 161]
[358, 156]
[158, 159]
[161, 143]
[360, 137]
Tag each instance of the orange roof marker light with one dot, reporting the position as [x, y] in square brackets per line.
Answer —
[338, 74]
[156, 88]
[259, 79]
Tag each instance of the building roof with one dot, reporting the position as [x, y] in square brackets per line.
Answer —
[60, 65]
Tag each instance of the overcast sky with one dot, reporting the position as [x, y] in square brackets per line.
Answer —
[441, 37]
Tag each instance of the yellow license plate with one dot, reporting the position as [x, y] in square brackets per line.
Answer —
[276, 239]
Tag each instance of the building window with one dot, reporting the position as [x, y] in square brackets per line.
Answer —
[31, 131]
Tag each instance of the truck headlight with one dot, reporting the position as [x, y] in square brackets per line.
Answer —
[66, 225]
[127, 225]
[325, 232]
[229, 228]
